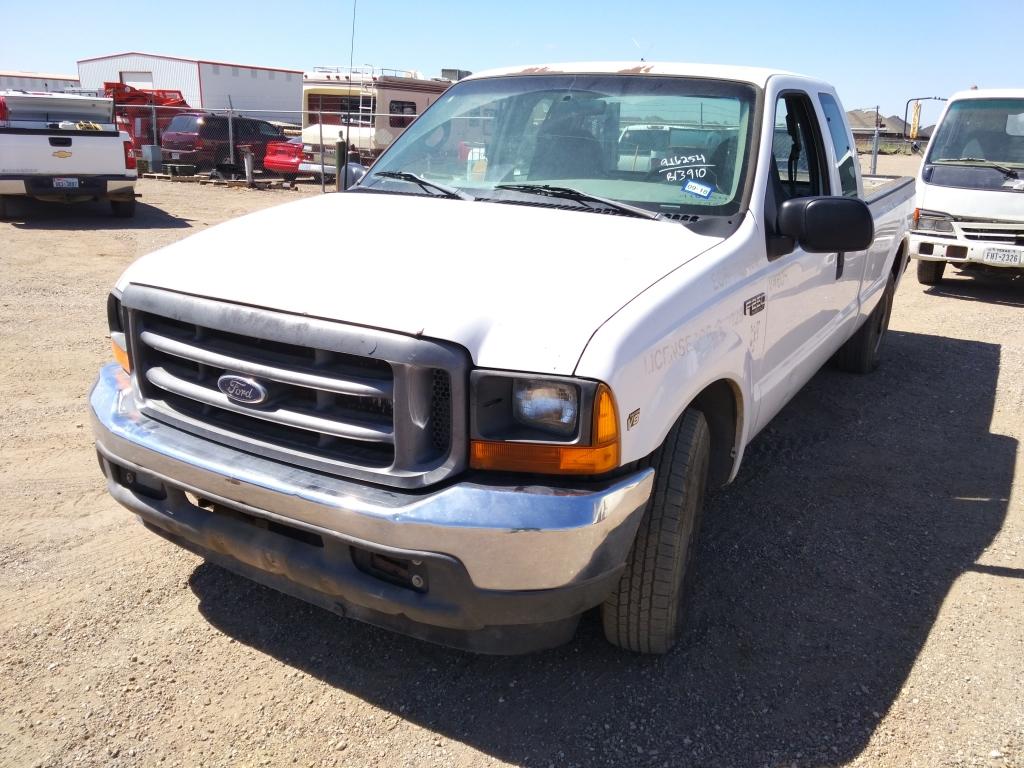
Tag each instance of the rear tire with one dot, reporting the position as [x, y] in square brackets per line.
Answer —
[930, 272]
[3, 207]
[645, 612]
[862, 352]
[123, 209]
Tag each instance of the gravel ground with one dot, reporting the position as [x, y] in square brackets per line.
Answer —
[859, 595]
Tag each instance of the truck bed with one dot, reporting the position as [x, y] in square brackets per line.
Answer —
[876, 187]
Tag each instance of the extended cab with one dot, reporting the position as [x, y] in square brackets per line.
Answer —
[65, 148]
[970, 190]
[509, 416]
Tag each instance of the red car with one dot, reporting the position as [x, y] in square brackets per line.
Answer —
[283, 158]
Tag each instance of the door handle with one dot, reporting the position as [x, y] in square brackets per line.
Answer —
[840, 263]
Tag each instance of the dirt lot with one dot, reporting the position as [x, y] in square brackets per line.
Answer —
[859, 598]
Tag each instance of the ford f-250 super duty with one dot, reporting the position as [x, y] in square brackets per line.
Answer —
[507, 416]
[65, 148]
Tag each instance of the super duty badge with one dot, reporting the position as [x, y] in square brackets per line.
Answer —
[753, 305]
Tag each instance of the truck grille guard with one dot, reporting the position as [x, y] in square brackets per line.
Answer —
[342, 399]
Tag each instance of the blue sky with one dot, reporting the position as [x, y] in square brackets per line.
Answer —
[873, 52]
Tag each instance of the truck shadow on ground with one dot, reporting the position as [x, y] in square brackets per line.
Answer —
[1006, 290]
[821, 571]
[25, 213]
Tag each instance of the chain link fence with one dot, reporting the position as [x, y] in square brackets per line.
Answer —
[257, 145]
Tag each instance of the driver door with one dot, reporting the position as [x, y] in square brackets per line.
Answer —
[801, 298]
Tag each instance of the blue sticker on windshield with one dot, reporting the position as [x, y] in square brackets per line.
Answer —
[698, 189]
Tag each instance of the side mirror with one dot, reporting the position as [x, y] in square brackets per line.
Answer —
[356, 171]
[827, 224]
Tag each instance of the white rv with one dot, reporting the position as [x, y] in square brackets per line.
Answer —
[366, 107]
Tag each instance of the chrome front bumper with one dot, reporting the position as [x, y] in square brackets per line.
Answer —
[507, 537]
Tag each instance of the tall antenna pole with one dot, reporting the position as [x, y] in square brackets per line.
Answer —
[352, 42]
[351, 79]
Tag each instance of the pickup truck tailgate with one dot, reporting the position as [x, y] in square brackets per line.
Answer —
[62, 153]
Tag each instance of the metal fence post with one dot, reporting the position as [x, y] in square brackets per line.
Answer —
[231, 137]
[340, 160]
[249, 160]
[323, 175]
[874, 152]
[874, 145]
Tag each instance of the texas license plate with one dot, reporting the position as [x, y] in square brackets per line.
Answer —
[65, 182]
[1004, 257]
[175, 155]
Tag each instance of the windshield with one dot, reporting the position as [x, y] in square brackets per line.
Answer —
[664, 144]
[979, 144]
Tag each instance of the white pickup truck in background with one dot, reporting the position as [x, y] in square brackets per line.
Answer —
[510, 417]
[970, 189]
[66, 148]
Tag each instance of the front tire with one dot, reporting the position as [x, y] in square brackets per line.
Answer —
[645, 611]
[930, 272]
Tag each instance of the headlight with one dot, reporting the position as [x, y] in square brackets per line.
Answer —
[930, 221]
[548, 405]
[548, 425]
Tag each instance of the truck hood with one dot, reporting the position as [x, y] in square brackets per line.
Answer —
[992, 204]
[521, 288]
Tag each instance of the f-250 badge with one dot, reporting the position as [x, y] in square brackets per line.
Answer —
[753, 305]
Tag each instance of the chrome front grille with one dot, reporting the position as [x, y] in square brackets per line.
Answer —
[342, 399]
[991, 232]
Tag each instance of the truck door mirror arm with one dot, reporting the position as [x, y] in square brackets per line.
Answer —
[825, 224]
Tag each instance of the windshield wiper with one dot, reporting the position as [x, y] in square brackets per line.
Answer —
[567, 193]
[426, 184]
[1009, 172]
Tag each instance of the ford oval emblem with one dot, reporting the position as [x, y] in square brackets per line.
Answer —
[240, 389]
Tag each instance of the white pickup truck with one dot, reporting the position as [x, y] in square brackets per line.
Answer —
[507, 415]
[66, 148]
[970, 189]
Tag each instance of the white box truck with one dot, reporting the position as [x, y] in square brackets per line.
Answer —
[969, 210]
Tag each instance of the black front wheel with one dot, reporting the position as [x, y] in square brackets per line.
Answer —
[930, 272]
[645, 611]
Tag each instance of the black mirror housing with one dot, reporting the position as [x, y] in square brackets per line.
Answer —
[827, 224]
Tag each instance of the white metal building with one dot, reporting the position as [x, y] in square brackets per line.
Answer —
[36, 81]
[206, 84]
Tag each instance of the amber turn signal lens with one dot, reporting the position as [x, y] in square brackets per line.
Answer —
[121, 356]
[543, 459]
[546, 459]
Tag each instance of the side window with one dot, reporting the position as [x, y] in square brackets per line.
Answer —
[798, 149]
[401, 108]
[215, 128]
[845, 156]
